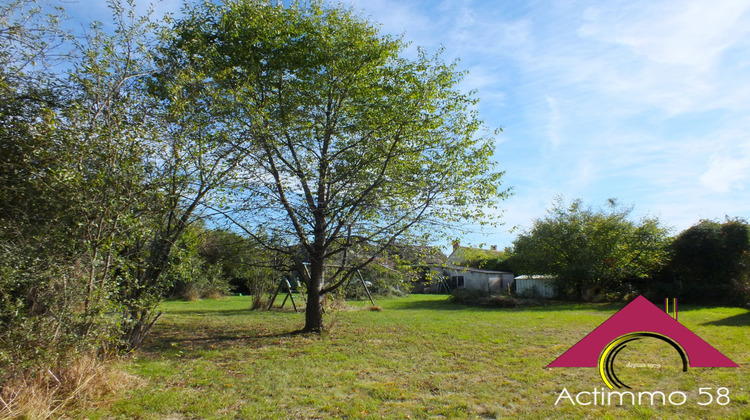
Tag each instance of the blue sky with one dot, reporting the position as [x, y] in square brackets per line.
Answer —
[647, 102]
[644, 101]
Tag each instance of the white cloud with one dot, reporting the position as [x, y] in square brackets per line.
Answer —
[686, 33]
[619, 84]
[728, 167]
[466, 17]
[485, 81]
[668, 54]
[647, 97]
[725, 172]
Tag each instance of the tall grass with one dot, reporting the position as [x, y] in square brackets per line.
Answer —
[48, 394]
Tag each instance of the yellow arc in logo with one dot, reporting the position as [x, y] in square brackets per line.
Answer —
[608, 355]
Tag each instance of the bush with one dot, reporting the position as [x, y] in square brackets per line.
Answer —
[586, 247]
[469, 297]
[710, 263]
[501, 301]
[482, 298]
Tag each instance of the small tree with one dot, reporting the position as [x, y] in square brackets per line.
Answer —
[584, 247]
[348, 145]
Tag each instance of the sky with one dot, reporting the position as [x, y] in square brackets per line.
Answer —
[647, 102]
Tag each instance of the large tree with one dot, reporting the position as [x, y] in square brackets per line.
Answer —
[348, 145]
[586, 247]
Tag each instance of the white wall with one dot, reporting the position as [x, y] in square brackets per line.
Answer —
[535, 286]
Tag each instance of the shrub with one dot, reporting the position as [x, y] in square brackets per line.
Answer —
[465, 296]
[502, 301]
[482, 298]
[709, 264]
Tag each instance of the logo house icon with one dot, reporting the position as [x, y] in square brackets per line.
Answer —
[639, 319]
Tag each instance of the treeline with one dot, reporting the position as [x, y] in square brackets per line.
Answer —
[211, 263]
[708, 263]
[602, 253]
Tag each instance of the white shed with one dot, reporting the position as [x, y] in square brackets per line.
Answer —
[536, 286]
[477, 279]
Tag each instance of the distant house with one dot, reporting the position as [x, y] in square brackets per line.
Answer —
[423, 260]
[456, 272]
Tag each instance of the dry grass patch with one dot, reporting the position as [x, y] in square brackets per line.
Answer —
[78, 385]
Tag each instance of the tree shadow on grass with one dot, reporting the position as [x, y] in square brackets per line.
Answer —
[232, 312]
[533, 305]
[739, 320]
[441, 305]
[190, 332]
[539, 305]
[192, 343]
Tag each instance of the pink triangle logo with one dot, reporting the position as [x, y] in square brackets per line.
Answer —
[640, 318]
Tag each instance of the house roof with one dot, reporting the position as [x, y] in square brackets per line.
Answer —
[641, 315]
[461, 252]
[474, 270]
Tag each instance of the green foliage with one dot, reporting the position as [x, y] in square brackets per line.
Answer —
[42, 257]
[586, 248]
[95, 188]
[201, 265]
[709, 263]
[190, 273]
[381, 280]
[212, 263]
[468, 296]
[483, 259]
[483, 298]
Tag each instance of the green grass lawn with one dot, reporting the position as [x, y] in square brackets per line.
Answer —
[420, 357]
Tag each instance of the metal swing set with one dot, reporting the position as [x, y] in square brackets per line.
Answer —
[286, 286]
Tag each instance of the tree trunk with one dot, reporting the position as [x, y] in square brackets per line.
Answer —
[314, 309]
